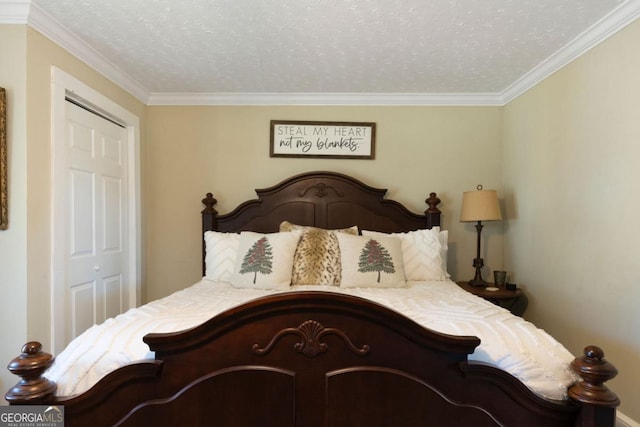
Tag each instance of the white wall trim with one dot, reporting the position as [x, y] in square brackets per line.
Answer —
[380, 99]
[61, 83]
[623, 421]
[24, 11]
[27, 12]
[50, 28]
[14, 11]
[610, 24]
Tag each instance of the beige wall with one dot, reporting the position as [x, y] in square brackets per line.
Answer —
[13, 241]
[26, 269]
[225, 150]
[572, 187]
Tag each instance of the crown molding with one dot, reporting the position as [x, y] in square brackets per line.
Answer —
[373, 99]
[50, 28]
[26, 12]
[14, 11]
[610, 24]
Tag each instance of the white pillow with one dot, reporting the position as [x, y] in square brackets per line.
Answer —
[374, 262]
[421, 252]
[443, 236]
[221, 253]
[265, 261]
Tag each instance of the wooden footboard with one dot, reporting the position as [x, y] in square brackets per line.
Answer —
[315, 359]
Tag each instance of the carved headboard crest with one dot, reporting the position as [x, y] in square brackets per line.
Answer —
[322, 190]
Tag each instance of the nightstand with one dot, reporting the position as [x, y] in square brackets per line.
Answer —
[515, 301]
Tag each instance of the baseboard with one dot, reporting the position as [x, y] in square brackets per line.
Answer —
[623, 421]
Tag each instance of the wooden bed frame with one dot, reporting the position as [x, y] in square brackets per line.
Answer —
[316, 358]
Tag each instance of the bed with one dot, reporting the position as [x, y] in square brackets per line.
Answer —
[322, 355]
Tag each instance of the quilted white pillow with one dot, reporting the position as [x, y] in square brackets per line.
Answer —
[421, 252]
[373, 262]
[443, 236]
[221, 254]
[265, 261]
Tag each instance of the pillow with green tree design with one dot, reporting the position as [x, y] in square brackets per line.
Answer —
[374, 262]
[265, 261]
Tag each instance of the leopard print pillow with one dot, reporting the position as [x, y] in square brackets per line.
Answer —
[317, 258]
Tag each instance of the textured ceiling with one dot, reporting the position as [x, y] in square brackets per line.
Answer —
[332, 46]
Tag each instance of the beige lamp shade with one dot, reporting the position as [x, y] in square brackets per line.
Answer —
[480, 205]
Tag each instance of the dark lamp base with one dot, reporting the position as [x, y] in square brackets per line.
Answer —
[478, 282]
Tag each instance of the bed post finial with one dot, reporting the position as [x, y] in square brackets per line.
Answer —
[433, 213]
[591, 392]
[209, 201]
[30, 365]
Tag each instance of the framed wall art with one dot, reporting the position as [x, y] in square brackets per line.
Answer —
[4, 195]
[338, 140]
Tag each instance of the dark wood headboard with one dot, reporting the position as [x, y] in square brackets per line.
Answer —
[321, 199]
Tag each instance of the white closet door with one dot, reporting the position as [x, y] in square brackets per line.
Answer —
[97, 221]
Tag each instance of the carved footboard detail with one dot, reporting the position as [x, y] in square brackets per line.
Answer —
[598, 402]
[310, 333]
[594, 371]
[29, 366]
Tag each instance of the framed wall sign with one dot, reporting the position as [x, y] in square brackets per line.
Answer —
[338, 140]
[4, 195]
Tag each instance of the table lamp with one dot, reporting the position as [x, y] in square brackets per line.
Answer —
[480, 205]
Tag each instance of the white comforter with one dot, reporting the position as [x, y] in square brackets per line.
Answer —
[509, 342]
